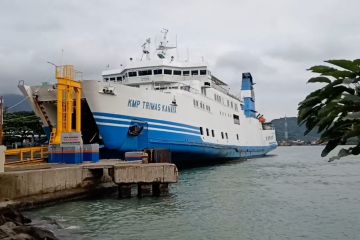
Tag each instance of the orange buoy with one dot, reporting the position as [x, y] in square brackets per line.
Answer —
[262, 119]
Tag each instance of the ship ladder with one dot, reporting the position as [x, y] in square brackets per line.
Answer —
[42, 110]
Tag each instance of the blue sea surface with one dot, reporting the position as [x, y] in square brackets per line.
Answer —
[291, 194]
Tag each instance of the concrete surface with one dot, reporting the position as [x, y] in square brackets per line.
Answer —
[2, 158]
[145, 173]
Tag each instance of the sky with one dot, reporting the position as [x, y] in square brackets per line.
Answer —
[274, 40]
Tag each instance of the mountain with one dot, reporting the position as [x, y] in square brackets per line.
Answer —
[16, 103]
[295, 132]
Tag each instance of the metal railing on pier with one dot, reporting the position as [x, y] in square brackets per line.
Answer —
[26, 155]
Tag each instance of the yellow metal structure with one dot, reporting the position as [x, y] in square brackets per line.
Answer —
[25, 155]
[68, 89]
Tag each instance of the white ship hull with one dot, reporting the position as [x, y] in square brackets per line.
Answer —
[176, 127]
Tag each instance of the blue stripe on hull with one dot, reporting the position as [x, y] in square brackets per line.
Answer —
[124, 117]
[180, 144]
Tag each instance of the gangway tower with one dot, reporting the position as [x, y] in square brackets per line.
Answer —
[68, 89]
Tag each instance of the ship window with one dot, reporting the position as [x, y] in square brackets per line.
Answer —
[236, 107]
[186, 88]
[157, 71]
[217, 98]
[119, 79]
[145, 72]
[201, 131]
[132, 74]
[242, 107]
[228, 102]
[177, 72]
[203, 91]
[237, 136]
[236, 119]
[226, 136]
[231, 104]
[106, 79]
[112, 79]
[167, 71]
[195, 72]
[186, 73]
[202, 72]
[207, 132]
[222, 135]
[213, 133]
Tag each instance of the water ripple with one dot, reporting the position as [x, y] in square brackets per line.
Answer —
[294, 194]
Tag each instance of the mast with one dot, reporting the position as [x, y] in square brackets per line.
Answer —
[146, 49]
[162, 48]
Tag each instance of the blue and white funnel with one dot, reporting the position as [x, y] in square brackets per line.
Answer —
[247, 92]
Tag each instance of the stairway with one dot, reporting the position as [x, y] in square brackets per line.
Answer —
[43, 111]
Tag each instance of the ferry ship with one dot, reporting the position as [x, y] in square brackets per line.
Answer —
[159, 102]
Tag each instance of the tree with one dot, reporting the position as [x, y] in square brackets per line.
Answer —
[334, 109]
[21, 125]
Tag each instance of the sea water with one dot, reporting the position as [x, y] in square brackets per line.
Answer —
[291, 194]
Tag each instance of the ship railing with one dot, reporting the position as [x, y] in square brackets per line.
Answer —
[226, 91]
[68, 72]
[220, 88]
[181, 86]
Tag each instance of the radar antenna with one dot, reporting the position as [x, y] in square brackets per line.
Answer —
[162, 48]
[146, 49]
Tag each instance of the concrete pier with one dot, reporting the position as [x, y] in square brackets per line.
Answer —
[55, 182]
[2, 158]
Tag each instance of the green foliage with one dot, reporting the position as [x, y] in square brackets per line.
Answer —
[295, 132]
[334, 109]
[21, 125]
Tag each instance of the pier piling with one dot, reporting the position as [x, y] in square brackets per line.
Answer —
[124, 190]
[144, 190]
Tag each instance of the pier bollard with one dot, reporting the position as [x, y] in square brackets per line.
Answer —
[124, 190]
[2, 158]
[144, 190]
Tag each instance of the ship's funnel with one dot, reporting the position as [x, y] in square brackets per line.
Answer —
[247, 91]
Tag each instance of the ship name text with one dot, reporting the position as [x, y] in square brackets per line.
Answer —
[133, 103]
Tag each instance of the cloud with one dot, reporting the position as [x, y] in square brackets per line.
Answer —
[240, 61]
[274, 40]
